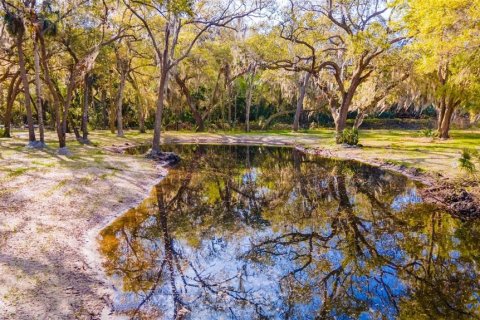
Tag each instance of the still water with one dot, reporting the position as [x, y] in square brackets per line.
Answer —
[237, 232]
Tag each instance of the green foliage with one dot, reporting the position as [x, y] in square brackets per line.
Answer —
[49, 18]
[14, 23]
[49, 28]
[466, 160]
[428, 133]
[181, 7]
[349, 136]
[444, 34]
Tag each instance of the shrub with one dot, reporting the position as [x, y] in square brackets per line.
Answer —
[428, 133]
[466, 161]
[349, 136]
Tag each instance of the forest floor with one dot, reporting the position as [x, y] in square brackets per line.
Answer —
[52, 207]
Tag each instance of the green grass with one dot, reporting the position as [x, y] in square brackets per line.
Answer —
[58, 186]
[401, 147]
[44, 164]
[404, 147]
[17, 172]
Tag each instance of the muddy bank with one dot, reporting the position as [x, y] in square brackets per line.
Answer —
[128, 148]
[452, 197]
[165, 159]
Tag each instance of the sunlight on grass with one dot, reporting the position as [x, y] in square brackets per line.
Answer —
[17, 172]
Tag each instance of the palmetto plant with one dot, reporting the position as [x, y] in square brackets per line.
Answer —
[466, 161]
[14, 23]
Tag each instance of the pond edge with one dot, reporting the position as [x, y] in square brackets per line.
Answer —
[91, 250]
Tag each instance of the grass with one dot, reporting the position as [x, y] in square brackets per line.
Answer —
[17, 172]
[87, 180]
[58, 186]
[43, 164]
[409, 148]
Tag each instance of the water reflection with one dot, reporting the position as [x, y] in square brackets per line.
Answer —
[270, 233]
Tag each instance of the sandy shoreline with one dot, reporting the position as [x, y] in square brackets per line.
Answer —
[92, 254]
[50, 208]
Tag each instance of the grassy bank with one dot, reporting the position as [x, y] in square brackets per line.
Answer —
[401, 147]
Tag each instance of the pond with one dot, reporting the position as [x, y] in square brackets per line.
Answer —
[243, 232]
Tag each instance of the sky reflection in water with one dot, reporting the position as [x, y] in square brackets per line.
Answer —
[270, 233]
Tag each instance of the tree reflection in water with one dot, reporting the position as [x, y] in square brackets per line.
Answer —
[254, 232]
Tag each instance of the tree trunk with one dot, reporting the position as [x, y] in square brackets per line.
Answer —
[445, 126]
[26, 87]
[141, 127]
[141, 115]
[214, 98]
[103, 101]
[248, 102]
[228, 86]
[45, 110]
[341, 117]
[140, 106]
[55, 94]
[340, 121]
[74, 127]
[119, 102]
[359, 119]
[229, 103]
[112, 116]
[166, 66]
[2, 93]
[247, 109]
[198, 120]
[301, 96]
[443, 76]
[159, 111]
[86, 101]
[191, 104]
[66, 107]
[235, 109]
[13, 90]
[441, 115]
[38, 92]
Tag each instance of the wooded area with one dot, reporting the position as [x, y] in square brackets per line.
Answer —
[76, 66]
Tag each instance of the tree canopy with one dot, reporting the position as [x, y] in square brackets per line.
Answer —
[81, 65]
